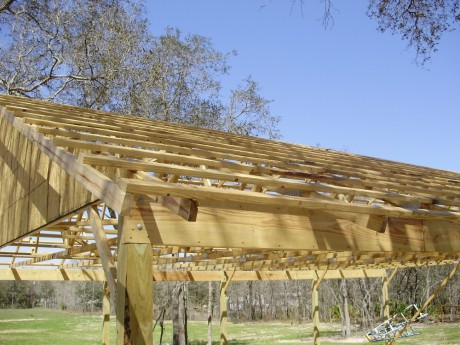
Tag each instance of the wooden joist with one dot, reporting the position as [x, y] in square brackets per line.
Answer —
[210, 200]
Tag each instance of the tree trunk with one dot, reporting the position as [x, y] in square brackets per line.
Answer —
[346, 330]
[210, 311]
[180, 315]
[250, 310]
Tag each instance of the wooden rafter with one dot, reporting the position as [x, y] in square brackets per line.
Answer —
[214, 200]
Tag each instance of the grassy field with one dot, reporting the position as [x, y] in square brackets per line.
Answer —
[40, 327]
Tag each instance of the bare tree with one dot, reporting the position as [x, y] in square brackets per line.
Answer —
[179, 310]
[100, 54]
[419, 22]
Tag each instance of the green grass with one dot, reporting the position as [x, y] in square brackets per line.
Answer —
[44, 327]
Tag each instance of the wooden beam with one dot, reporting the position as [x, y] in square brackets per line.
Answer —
[81, 274]
[385, 299]
[134, 303]
[61, 254]
[385, 295]
[224, 284]
[38, 274]
[315, 305]
[183, 207]
[266, 181]
[103, 247]
[106, 314]
[427, 302]
[93, 180]
[313, 230]
[202, 193]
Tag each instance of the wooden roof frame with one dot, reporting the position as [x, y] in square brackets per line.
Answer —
[218, 200]
[91, 190]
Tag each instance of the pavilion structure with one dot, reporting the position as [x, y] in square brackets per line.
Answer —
[92, 195]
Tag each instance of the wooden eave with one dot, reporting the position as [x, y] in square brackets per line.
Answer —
[218, 201]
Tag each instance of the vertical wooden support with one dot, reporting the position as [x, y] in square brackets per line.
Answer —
[223, 309]
[427, 302]
[106, 315]
[224, 283]
[315, 309]
[134, 282]
[385, 295]
[315, 305]
[103, 248]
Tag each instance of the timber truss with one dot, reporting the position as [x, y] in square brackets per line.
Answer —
[88, 192]
[71, 243]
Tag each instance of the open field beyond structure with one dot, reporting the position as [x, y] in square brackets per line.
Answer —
[40, 327]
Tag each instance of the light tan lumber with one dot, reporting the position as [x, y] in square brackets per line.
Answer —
[103, 248]
[185, 208]
[105, 314]
[385, 295]
[82, 274]
[54, 274]
[224, 284]
[167, 189]
[266, 181]
[267, 275]
[319, 276]
[268, 209]
[60, 254]
[101, 186]
[134, 303]
[228, 228]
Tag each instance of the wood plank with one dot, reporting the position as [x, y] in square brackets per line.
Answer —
[345, 159]
[265, 181]
[223, 301]
[103, 248]
[82, 274]
[223, 228]
[134, 288]
[227, 195]
[184, 208]
[101, 186]
[40, 274]
[315, 305]
[106, 314]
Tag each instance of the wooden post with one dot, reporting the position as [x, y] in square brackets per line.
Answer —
[385, 295]
[106, 315]
[134, 282]
[103, 249]
[427, 302]
[224, 283]
[315, 306]
[315, 309]
[223, 309]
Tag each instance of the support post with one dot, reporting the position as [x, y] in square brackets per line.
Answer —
[427, 302]
[223, 309]
[224, 283]
[103, 248]
[106, 314]
[134, 282]
[385, 295]
[315, 305]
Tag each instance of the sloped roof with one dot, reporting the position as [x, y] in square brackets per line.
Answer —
[218, 200]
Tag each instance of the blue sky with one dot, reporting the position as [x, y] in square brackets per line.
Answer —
[347, 88]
